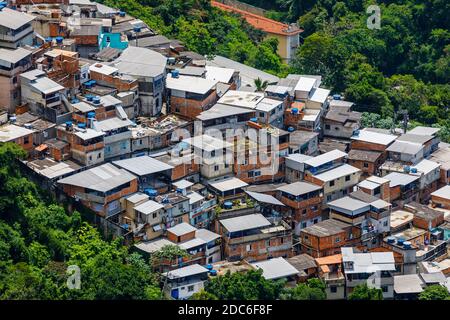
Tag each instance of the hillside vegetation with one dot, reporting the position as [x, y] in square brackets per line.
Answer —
[405, 65]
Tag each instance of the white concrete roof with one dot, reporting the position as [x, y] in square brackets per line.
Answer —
[182, 184]
[366, 184]
[137, 197]
[242, 99]
[276, 268]
[305, 84]
[190, 84]
[320, 95]
[89, 133]
[194, 197]
[223, 75]
[325, 158]
[11, 132]
[349, 205]
[408, 283]
[196, 242]
[267, 104]
[367, 262]
[337, 172]
[140, 62]
[247, 222]
[143, 165]
[83, 107]
[103, 69]
[228, 184]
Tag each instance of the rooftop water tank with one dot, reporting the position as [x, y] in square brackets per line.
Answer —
[406, 168]
[400, 241]
[336, 97]
[294, 110]
[75, 100]
[413, 170]
[254, 119]
[82, 125]
[59, 39]
[137, 29]
[390, 240]
[96, 100]
[91, 115]
[213, 272]
[175, 73]
[228, 205]
[151, 192]
[93, 82]
[209, 267]
[122, 13]
[407, 245]
[89, 97]
[291, 129]
[48, 39]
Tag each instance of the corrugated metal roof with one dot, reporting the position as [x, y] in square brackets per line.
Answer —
[206, 235]
[349, 204]
[148, 207]
[102, 178]
[405, 147]
[443, 192]
[374, 137]
[143, 165]
[14, 56]
[247, 222]
[112, 124]
[325, 158]
[397, 178]
[276, 268]
[13, 19]
[181, 229]
[46, 85]
[299, 188]
[11, 132]
[187, 271]
[221, 111]
[265, 198]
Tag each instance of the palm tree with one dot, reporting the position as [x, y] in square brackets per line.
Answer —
[260, 84]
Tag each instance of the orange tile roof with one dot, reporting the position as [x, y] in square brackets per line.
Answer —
[260, 22]
[334, 259]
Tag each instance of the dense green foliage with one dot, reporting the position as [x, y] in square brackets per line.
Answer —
[435, 292]
[313, 289]
[363, 292]
[207, 30]
[39, 240]
[241, 286]
[405, 65]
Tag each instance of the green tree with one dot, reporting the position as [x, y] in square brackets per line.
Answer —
[313, 289]
[250, 285]
[363, 292]
[260, 84]
[434, 292]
